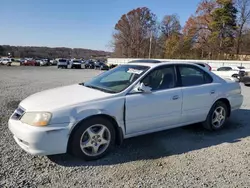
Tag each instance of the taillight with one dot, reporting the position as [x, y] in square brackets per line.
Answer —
[209, 67]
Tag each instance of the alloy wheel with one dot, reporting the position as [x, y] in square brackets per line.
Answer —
[95, 140]
[219, 117]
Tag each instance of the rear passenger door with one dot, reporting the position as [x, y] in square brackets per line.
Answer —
[199, 93]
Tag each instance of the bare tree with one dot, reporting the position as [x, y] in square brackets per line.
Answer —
[170, 25]
[132, 33]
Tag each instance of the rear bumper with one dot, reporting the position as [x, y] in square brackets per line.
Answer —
[76, 66]
[236, 101]
[39, 140]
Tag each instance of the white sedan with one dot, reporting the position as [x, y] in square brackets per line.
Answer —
[233, 72]
[138, 98]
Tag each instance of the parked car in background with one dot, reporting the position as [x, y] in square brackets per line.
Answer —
[42, 62]
[77, 63]
[89, 64]
[62, 63]
[45, 62]
[245, 77]
[30, 63]
[235, 72]
[53, 62]
[6, 61]
[101, 66]
[88, 119]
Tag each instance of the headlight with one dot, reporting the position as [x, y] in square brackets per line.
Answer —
[36, 118]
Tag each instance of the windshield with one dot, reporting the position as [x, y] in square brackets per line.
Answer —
[76, 61]
[117, 79]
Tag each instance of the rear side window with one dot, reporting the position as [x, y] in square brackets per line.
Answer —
[192, 76]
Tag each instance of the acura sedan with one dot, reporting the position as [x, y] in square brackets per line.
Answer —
[141, 97]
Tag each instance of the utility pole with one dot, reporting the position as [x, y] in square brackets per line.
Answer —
[150, 45]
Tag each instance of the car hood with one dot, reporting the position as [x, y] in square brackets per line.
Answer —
[61, 97]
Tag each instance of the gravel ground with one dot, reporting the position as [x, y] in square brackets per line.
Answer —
[182, 157]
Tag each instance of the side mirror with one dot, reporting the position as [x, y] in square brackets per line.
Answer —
[142, 88]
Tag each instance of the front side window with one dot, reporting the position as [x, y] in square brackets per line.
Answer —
[161, 78]
[117, 79]
[191, 76]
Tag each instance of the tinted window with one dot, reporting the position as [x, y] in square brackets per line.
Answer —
[224, 69]
[161, 78]
[200, 64]
[191, 76]
[241, 67]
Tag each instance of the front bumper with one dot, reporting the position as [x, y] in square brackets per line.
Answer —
[40, 140]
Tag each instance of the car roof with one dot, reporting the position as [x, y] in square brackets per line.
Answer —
[159, 63]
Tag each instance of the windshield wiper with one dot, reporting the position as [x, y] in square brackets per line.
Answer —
[98, 88]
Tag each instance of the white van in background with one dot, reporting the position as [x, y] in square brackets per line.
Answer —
[6, 61]
[62, 63]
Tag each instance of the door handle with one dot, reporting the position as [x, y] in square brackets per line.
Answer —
[212, 92]
[175, 97]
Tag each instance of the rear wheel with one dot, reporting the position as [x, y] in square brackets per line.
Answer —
[92, 139]
[217, 116]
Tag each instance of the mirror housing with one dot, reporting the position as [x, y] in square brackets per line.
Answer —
[142, 88]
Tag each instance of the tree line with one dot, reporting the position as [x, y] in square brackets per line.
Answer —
[218, 29]
[51, 53]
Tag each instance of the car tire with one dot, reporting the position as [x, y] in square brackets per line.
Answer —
[217, 117]
[93, 141]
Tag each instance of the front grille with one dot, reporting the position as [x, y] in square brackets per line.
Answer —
[18, 113]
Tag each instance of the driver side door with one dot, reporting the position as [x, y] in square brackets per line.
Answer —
[158, 109]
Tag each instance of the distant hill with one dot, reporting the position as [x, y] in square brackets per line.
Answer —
[47, 52]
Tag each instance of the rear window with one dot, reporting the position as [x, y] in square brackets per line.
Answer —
[200, 64]
[76, 61]
[224, 69]
[241, 67]
[62, 60]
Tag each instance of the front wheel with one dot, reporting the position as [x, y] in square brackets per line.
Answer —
[92, 139]
[217, 116]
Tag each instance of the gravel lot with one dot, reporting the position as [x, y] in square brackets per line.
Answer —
[182, 157]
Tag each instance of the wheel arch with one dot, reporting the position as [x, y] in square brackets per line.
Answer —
[227, 103]
[118, 130]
